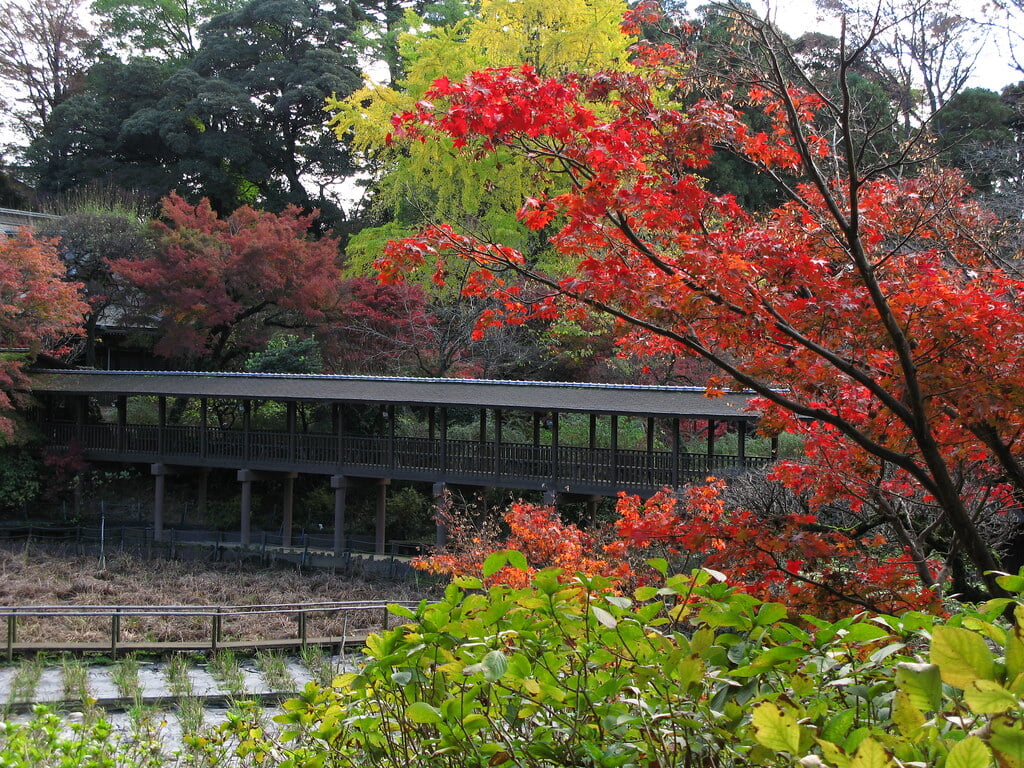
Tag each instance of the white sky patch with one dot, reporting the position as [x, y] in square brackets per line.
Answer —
[994, 69]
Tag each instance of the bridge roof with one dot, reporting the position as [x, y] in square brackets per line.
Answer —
[564, 397]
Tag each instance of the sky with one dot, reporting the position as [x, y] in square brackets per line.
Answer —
[993, 69]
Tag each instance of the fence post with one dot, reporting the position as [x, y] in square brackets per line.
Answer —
[385, 618]
[115, 631]
[302, 627]
[12, 633]
[215, 634]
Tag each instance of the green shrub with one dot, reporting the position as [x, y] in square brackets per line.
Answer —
[691, 673]
[46, 741]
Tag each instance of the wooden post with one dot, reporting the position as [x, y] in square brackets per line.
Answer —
[389, 414]
[382, 508]
[340, 485]
[302, 627]
[246, 477]
[161, 435]
[339, 432]
[12, 633]
[290, 422]
[159, 472]
[122, 423]
[246, 429]
[115, 631]
[615, 449]
[554, 446]
[443, 427]
[287, 504]
[215, 630]
[441, 533]
[675, 452]
[204, 427]
[711, 445]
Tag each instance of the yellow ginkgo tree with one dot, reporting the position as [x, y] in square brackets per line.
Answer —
[417, 183]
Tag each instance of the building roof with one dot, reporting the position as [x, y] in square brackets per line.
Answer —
[623, 399]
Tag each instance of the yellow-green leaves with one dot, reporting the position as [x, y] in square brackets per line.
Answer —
[777, 727]
[921, 683]
[962, 656]
[972, 752]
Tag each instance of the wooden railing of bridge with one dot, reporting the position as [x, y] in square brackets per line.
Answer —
[399, 457]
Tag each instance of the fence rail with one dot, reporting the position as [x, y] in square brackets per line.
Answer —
[335, 617]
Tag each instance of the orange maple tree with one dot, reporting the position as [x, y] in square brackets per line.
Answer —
[789, 558]
[38, 309]
[866, 311]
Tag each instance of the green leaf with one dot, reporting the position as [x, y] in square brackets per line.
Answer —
[659, 564]
[604, 617]
[778, 655]
[922, 683]
[962, 656]
[770, 613]
[494, 563]
[838, 725]
[519, 665]
[1007, 742]
[972, 752]
[421, 712]
[989, 698]
[517, 559]
[1011, 582]
[863, 632]
[1014, 654]
[400, 610]
[643, 594]
[777, 728]
[495, 665]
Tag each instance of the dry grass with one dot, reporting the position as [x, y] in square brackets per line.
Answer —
[30, 577]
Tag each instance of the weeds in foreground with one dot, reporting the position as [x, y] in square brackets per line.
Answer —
[75, 677]
[178, 681]
[319, 663]
[125, 675]
[76, 686]
[26, 678]
[274, 668]
[190, 715]
[227, 670]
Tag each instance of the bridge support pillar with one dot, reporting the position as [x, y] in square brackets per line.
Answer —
[287, 505]
[340, 485]
[159, 472]
[382, 508]
[202, 486]
[551, 499]
[592, 510]
[246, 478]
[440, 492]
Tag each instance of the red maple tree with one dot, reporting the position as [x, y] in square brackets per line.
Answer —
[866, 311]
[38, 308]
[219, 287]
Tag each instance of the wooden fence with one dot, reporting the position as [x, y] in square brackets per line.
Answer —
[335, 618]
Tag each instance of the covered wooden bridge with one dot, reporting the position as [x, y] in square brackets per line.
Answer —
[587, 440]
